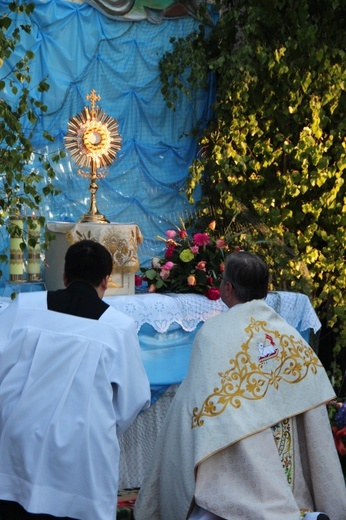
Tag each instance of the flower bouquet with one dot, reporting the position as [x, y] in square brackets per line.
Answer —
[337, 417]
[191, 264]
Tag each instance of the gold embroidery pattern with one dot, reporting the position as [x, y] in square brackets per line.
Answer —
[121, 241]
[282, 433]
[247, 378]
[123, 250]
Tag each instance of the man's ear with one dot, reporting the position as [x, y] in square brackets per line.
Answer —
[104, 282]
[230, 293]
[229, 288]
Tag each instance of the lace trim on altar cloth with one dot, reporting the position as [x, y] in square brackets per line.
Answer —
[169, 311]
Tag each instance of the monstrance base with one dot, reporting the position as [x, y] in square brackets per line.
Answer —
[100, 219]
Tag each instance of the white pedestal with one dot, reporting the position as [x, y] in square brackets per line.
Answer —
[121, 240]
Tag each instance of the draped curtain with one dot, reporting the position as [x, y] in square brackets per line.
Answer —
[79, 49]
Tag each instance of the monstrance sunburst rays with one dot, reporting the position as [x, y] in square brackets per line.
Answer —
[93, 141]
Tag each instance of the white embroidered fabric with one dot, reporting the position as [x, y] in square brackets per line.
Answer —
[188, 310]
[137, 443]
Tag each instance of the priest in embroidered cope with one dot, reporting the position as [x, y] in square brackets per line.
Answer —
[247, 434]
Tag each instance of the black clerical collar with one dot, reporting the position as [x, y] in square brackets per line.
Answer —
[81, 285]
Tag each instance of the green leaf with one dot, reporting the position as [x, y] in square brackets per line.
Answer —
[150, 274]
[5, 22]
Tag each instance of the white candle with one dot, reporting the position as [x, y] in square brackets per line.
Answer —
[16, 254]
[34, 258]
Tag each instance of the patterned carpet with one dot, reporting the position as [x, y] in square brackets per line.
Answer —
[126, 501]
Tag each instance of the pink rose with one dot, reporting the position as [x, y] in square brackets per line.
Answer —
[168, 266]
[210, 280]
[191, 280]
[138, 280]
[182, 233]
[164, 274]
[170, 233]
[201, 239]
[194, 249]
[201, 265]
[213, 293]
[152, 288]
[220, 243]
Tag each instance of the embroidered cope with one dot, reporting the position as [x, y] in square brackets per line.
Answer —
[249, 373]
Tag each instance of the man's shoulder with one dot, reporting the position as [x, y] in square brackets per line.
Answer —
[251, 314]
[35, 300]
[117, 318]
[240, 314]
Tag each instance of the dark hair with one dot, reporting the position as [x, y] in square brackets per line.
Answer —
[248, 274]
[87, 261]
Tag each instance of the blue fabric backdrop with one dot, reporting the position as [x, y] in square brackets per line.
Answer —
[79, 49]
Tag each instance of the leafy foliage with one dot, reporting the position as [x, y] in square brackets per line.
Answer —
[275, 151]
[19, 183]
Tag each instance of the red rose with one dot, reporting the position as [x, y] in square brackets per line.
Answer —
[138, 280]
[169, 251]
[213, 293]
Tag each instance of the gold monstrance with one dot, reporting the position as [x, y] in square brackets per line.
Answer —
[93, 141]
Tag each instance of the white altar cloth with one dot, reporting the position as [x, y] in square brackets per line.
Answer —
[188, 310]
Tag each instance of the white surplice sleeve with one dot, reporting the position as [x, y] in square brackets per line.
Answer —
[128, 376]
[7, 321]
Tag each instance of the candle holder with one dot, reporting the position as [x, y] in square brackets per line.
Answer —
[34, 256]
[16, 253]
[93, 141]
